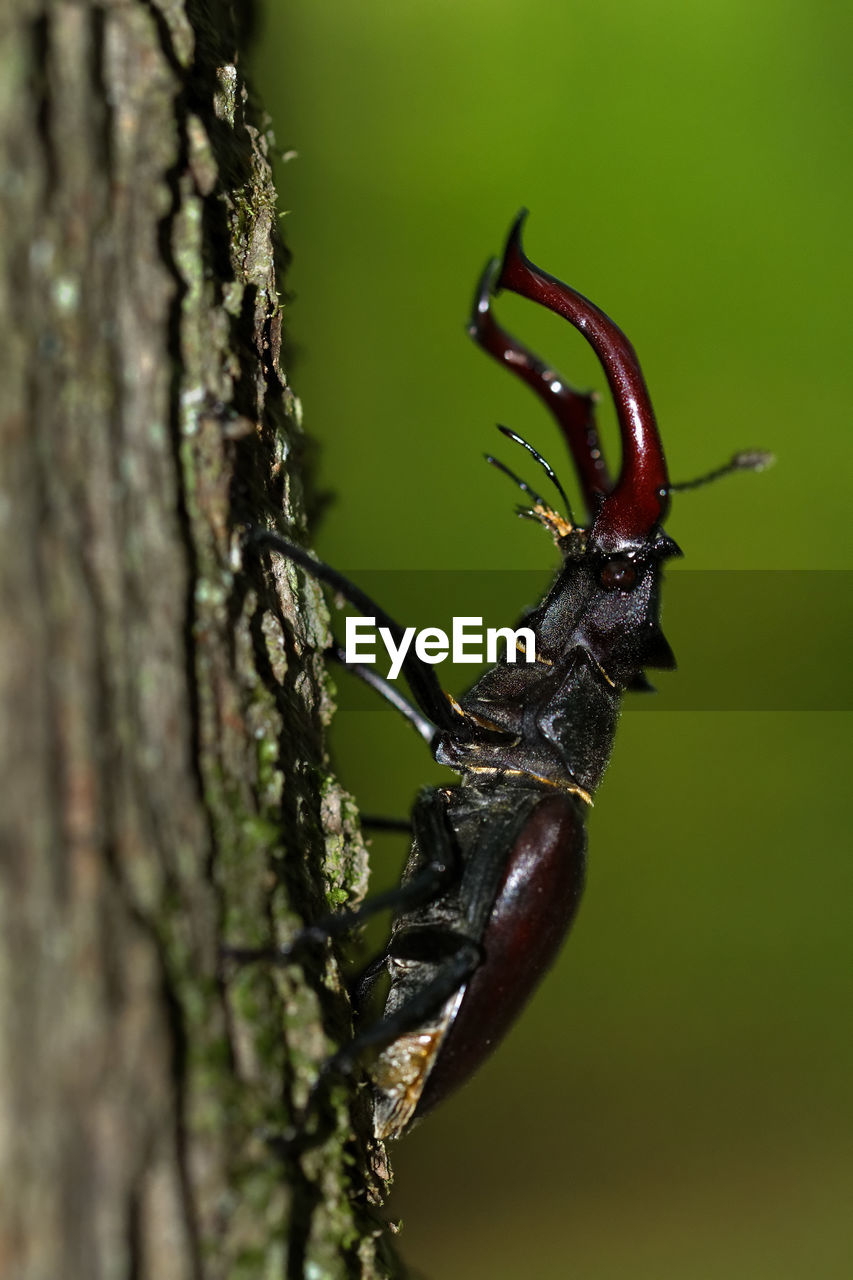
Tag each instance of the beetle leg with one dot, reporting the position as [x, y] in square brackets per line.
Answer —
[573, 410]
[425, 885]
[432, 832]
[426, 944]
[456, 968]
[387, 690]
[436, 705]
[441, 865]
[455, 971]
[422, 679]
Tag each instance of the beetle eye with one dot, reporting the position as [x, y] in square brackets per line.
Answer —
[618, 574]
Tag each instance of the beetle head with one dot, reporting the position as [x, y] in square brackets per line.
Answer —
[608, 593]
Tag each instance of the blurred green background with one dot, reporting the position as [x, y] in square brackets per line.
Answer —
[677, 1101]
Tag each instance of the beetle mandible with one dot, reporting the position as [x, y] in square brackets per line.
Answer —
[497, 862]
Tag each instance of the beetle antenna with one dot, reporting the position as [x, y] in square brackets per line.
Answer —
[748, 460]
[522, 484]
[541, 510]
[546, 466]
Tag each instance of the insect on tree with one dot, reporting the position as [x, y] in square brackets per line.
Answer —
[497, 862]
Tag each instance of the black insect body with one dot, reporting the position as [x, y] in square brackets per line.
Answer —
[497, 863]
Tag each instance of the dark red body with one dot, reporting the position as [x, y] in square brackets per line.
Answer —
[535, 905]
[529, 740]
[496, 867]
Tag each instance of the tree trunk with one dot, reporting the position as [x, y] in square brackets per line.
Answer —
[163, 704]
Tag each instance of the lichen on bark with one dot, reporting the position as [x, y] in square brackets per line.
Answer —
[164, 703]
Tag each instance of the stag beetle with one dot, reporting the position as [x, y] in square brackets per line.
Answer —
[497, 862]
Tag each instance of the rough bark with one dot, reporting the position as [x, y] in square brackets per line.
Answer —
[165, 783]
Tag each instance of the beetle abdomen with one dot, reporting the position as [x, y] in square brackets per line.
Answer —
[534, 908]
